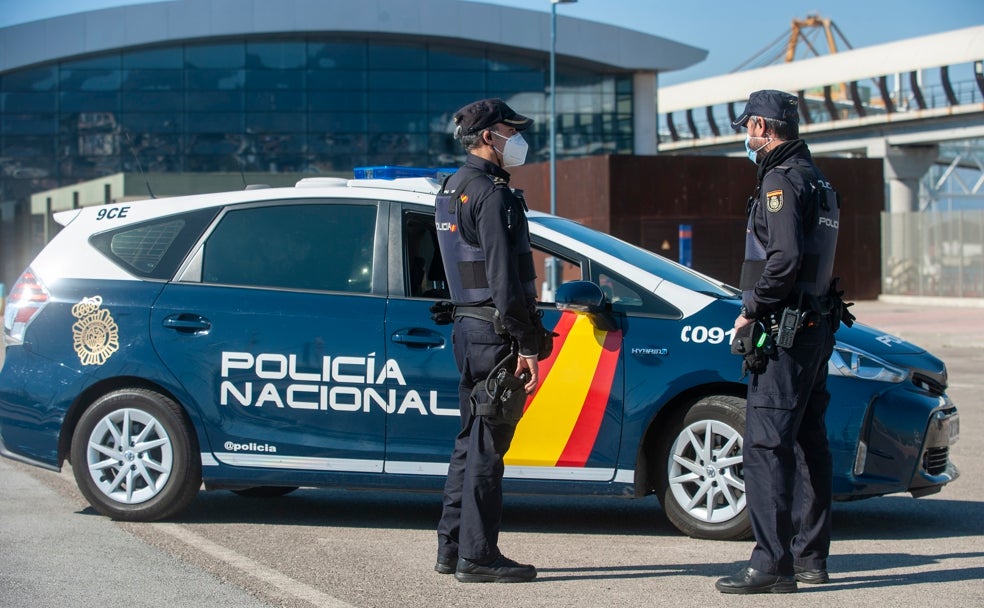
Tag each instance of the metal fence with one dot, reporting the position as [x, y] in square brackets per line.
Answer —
[933, 253]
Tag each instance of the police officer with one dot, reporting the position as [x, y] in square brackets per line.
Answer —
[793, 218]
[485, 245]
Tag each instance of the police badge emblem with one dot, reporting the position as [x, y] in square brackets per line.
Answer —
[95, 335]
[773, 200]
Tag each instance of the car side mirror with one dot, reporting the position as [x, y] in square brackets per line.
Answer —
[580, 296]
[587, 298]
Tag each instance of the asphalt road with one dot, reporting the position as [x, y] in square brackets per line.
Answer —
[335, 548]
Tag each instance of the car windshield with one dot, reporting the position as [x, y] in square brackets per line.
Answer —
[641, 258]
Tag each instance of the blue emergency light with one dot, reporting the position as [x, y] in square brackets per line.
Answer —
[391, 172]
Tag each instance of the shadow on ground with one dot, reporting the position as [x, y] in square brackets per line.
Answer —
[889, 517]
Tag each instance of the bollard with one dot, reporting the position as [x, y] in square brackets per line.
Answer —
[686, 253]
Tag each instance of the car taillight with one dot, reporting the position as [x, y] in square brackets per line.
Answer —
[27, 298]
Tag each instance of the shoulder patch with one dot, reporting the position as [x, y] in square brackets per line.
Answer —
[773, 200]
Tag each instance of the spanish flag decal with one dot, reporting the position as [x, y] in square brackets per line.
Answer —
[564, 415]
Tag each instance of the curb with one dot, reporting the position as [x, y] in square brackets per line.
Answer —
[932, 301]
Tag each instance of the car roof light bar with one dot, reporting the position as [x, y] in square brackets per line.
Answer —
[391, 172]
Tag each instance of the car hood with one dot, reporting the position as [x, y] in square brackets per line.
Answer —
[869, 339]
[926, 369]
[875, 341]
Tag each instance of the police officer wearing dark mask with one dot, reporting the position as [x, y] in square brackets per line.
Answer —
[485, 245]
[793, 218]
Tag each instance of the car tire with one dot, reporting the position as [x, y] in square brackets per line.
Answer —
[700, 479]
[135, 457]
[265, 491]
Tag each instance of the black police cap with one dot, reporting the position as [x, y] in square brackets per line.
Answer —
[769, 104]
[484, 113]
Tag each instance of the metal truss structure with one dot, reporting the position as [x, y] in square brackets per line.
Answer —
[957, 178]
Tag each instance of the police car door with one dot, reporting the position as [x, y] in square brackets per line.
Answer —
[572, 427]
[274, 328]
[423, 378]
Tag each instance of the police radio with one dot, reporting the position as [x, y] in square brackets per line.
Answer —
[788, 324]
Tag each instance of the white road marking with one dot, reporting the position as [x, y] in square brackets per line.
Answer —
[252, 568]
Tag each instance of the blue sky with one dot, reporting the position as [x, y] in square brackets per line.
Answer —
[732, 32]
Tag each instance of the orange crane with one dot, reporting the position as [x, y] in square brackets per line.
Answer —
[785, 46]
[803, 31]
[813, 21]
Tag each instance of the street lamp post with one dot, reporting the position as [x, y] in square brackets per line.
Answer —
[551, 267]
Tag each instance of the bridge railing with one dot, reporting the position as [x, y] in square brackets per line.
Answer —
[823, 107]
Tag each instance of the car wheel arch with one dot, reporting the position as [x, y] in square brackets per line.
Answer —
[93, 393]
[700, 484]
[661, 425]
[136, 456]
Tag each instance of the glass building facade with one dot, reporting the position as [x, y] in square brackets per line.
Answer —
[309, 105]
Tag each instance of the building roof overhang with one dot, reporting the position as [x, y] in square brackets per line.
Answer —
[578, 41]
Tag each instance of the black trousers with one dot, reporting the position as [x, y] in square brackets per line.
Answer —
[787, 462]
[472, 514]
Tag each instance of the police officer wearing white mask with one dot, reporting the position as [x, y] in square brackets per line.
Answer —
[485, 246]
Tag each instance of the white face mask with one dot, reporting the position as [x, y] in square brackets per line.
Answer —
[514, 152]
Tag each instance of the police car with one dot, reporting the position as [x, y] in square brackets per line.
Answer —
[269, 339]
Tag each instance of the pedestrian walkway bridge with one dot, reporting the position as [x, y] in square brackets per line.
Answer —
[914, 92]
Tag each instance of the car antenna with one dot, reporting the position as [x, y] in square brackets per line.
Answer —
[133, 151]
[242, 173]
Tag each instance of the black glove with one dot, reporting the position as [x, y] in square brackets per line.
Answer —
[755, 346]
[442, 313]
[846, 317]
[839, 312]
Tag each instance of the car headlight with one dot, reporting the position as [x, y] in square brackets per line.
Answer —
[852, 363]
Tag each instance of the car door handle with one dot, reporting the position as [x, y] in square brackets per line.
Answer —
[418, 337]
[188, 323]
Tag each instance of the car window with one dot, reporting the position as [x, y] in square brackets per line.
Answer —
[143, 247]
[618, 291]
[641, 258]
[545, 262]
[628, 297]
[306, 246]
[153, 249]
[423, 269]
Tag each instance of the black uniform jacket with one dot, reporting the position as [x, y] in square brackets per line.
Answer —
[494, 218]
[783, 205]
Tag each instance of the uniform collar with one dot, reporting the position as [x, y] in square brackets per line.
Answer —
[485, 166]
[781, 153]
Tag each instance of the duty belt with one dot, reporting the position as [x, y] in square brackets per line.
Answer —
[484, 313]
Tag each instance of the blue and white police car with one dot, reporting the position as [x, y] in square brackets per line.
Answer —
[270, 339]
